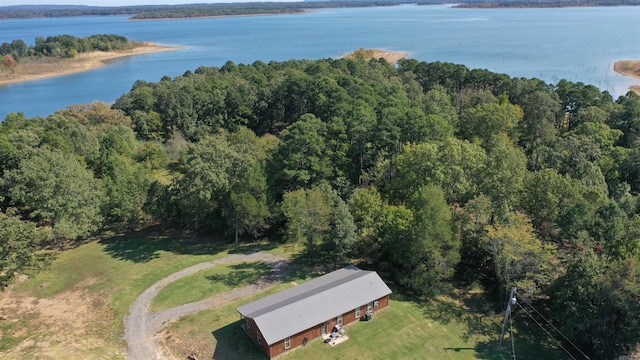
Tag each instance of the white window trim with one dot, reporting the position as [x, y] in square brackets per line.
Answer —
[358, 312]
[370, 306]
[339, 320]
[287, 342]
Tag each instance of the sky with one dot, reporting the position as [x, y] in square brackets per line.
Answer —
[114, 2]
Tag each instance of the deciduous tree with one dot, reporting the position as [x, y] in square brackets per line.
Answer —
[57, 190]
[520, 259]
[308, 213]
[19, 242]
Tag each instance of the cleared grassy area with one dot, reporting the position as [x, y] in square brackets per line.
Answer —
[398, 332]
[208, 283]
[75, 309]
[124, 266]
[214, 333]
[446, 327]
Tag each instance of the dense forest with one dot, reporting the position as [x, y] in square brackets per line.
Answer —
[65, 46]
[434, 173]
[146, 12]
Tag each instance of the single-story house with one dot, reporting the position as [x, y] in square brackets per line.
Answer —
[290, 318]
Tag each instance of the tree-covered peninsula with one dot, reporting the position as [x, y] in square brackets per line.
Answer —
[66, 46]
[435, 174]
[64, 54]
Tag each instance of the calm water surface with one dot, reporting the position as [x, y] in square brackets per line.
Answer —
[578, 44]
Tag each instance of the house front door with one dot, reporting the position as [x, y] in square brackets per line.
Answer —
[324, 328]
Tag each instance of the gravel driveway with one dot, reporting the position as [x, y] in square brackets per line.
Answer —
[141, 324]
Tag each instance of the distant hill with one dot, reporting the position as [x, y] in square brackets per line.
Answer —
[253, 8]
[190, 10]
[43, 7]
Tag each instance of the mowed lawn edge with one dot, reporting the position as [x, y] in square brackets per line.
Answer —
[116, 269]
[121, 268]
[209, 282]
[443, 327]
[400, 331]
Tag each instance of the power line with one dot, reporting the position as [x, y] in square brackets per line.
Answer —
[546, 331]
[554, 328]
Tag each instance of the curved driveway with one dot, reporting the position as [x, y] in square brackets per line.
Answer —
[141, 325]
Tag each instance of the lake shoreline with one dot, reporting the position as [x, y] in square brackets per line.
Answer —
[218, 16]
[629, 68]
[35, 69]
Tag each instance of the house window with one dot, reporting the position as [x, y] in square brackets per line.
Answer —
[259, 337]
[339, 319]
[358, 312]
[370, 306]
[248, 326]
[287, 342]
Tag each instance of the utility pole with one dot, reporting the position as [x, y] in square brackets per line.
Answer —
[507, 313]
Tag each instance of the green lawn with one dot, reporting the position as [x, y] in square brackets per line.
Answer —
[398, 332]
[114, 271]
[208, 283]
[441, 328]
[215, 332]
[122, 267]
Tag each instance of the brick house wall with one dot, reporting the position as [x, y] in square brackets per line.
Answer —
[315, 332]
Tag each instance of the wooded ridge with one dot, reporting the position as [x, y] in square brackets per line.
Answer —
[149, 12]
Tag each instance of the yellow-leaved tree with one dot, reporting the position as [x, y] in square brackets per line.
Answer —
[520, 258]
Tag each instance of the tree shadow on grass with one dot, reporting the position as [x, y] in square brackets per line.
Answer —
[147, 244]
[251, 247]
[480, 319]
[472, 310]
[242, 274]
[529, 343]
[232, 343]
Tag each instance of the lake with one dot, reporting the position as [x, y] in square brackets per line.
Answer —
[578, 44]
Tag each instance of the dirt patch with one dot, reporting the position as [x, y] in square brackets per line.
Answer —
[181, 344]
[65, 325]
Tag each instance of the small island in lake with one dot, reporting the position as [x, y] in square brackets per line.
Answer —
[63, 55]
[629, 68]
[368, 54]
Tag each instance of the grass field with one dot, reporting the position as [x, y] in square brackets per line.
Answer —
[207, 283]
[75, 309]
[441, 328]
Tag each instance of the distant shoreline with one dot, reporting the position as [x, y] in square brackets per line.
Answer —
[216, 16]
[629, 68]
[35, 69]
